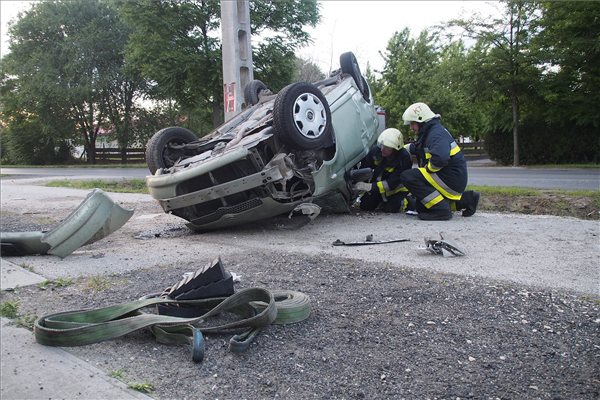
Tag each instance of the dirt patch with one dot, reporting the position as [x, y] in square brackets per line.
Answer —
[544, 203]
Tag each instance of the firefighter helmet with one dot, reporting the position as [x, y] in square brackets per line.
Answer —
[391, 137]
[418, 112]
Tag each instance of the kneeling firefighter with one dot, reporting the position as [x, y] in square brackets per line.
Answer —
[388, 159]
[439, 182]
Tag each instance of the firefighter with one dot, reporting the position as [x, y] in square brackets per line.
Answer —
[441, 177]
[388, 159]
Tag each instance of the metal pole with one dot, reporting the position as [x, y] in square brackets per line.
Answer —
[237, 54]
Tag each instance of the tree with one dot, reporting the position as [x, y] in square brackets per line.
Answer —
[506, 61]
[307, 71]
[175, 45]
[567, 45]
[406, 76]
[65, 69]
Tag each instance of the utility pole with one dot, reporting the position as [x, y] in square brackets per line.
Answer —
[237, 54]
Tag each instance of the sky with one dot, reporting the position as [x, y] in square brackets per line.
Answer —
[363, 27]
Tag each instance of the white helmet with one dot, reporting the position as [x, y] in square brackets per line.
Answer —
[418, 112]
[391, 137]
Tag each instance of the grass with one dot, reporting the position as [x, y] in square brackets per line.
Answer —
[118, 186]
[117, 373]
[97, 284]
[9, 309]
[60, 282]
[142, 387]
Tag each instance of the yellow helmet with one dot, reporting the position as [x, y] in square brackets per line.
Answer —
[391, 137]
[418, 112]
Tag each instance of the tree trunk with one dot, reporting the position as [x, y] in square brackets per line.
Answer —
[515, 121]
[91, 154]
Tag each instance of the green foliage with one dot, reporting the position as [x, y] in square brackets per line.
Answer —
[97, 284]
[117, 374]
[9, 309]
[60, 282]
[409, 65]
[65, 71]
[142, 387]
[119, 186]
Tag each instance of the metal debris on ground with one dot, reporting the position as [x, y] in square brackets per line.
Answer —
[368, 241]
[442, 248]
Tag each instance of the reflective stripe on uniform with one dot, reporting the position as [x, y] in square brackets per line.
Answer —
[433, 168]
[390, 169]
[431, 200]
[384, 189]
[435, 181]
[454, 148]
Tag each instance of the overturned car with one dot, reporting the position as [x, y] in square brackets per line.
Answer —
[287, 149]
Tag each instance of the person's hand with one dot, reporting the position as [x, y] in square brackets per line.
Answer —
[362, 186]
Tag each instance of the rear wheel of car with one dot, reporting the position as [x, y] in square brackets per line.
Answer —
[162, 149]
[350, 66]
[301, 117]
[252, 90]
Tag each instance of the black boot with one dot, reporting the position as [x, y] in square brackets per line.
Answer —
[468, 203]
[435, 215]
[439, 212]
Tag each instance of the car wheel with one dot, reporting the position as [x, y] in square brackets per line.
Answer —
[161, 149]
[350, 66]
[252, 90]
[367, 93]
[301, 117]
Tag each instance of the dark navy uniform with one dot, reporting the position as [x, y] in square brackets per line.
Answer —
[388, 190]
[442, 173]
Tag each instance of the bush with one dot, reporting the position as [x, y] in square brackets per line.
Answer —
[541, 143]
[23, 143]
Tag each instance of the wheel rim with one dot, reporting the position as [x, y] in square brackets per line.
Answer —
[309, 115]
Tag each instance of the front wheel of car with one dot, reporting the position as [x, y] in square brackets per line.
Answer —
[252, 91]
[165, 147]
[350, 66]
[301, 117]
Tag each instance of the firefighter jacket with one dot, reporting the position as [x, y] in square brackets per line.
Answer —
[440, 160]
[387, 170]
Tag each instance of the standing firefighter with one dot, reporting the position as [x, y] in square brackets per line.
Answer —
[388, 159]
[439, 182]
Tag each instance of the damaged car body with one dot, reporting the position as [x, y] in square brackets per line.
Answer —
[286, 149]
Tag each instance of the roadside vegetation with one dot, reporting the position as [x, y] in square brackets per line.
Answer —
[118, 186]
[584, 204]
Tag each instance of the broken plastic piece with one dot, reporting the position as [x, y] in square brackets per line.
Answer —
[95, 218]
[311, 210]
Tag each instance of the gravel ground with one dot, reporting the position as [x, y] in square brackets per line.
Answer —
[375, 331]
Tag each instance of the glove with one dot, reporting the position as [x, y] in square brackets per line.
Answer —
[362, 186]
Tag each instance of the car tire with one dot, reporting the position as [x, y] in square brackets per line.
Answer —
[350, 66]
[252, 90]
[301, 117]
[367, 93]
[159, 154]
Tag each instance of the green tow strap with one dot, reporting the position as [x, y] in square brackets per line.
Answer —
[257, 308]
[77, 328]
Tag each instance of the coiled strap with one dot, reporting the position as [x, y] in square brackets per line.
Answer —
[77, 328]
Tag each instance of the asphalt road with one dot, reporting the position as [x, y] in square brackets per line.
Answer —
[539, 178]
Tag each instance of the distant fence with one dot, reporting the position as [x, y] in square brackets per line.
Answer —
[473, 150]
[138, 155]
[110, 155]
